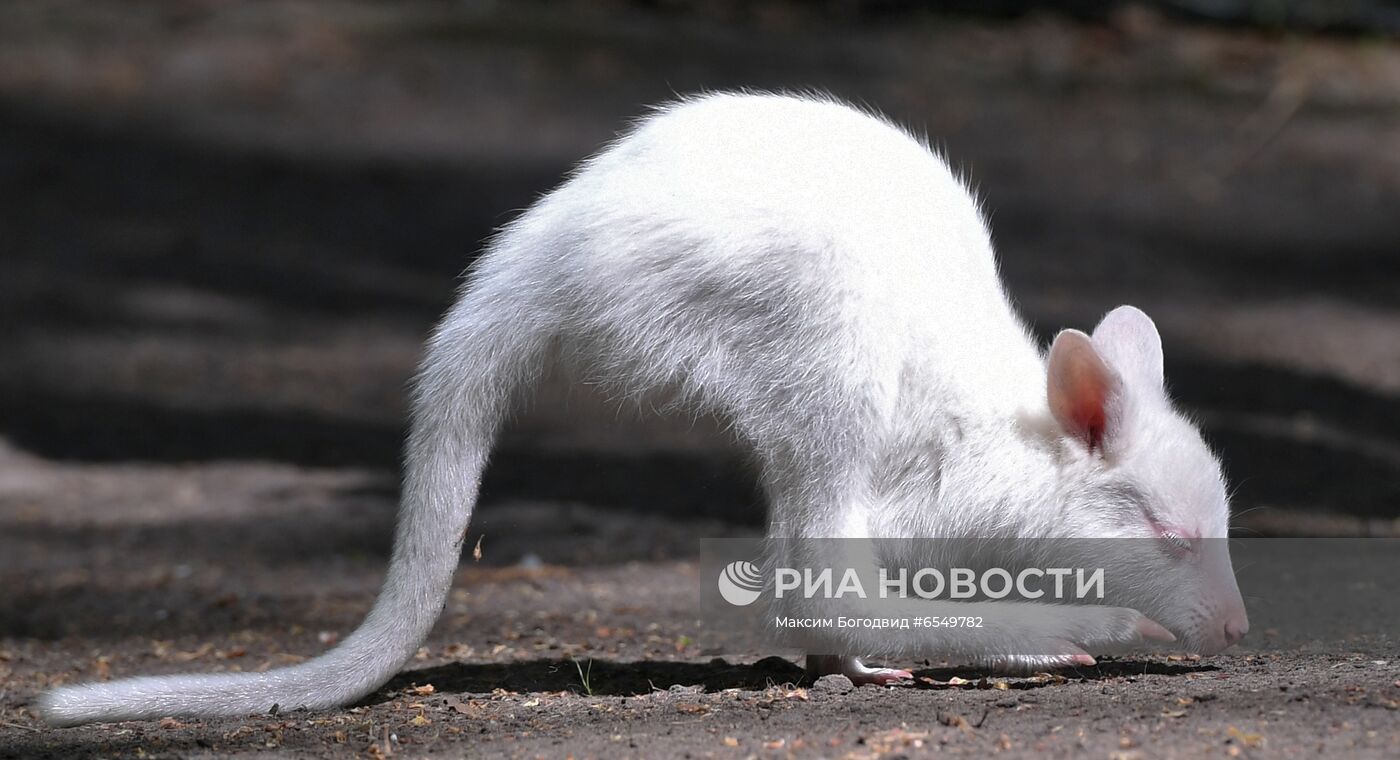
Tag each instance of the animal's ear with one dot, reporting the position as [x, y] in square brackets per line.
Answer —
[1128, 340]
[1085, 394]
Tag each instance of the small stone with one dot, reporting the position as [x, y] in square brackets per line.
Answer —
[833, 684]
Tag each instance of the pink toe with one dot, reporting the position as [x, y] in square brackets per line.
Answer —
[886, 676]
[1153, 631]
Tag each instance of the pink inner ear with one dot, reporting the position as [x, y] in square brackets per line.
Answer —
[1093, 429]
[1080, 388]
[1089, 402]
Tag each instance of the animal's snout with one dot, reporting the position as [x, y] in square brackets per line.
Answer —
[1223, 634]
[1235, 628]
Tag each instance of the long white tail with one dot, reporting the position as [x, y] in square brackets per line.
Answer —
[482, 351]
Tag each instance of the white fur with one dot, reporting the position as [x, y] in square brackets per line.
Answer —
[821, 280]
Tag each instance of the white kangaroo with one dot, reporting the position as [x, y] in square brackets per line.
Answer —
[819, 279]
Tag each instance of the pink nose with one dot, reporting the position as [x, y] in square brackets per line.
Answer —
[1235, 629]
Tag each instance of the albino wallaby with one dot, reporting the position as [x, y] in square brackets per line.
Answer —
[819, 279]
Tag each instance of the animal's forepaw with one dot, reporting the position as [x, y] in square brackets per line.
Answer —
[1025, 664]
[1105, 630]
[1150, 630]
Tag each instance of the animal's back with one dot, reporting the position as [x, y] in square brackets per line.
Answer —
[744, 240]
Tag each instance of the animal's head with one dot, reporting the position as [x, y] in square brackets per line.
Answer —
[1138, 473]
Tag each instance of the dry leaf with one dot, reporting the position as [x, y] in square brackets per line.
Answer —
[955, 721]
[1247, 739]
[424, 690]
[730, 741]
[476, 551]
[194, 655]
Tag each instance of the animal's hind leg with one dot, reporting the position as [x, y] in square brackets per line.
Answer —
[819, 665]
[822, 516]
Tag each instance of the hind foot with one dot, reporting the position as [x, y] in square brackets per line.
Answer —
[819, 665]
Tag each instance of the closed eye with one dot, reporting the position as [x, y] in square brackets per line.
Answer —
[1178, 544]
[1173, 537]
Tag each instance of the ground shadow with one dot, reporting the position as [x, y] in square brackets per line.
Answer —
[604, 677]
[608, 678]
[938, 678]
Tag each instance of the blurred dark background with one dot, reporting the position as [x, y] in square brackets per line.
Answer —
[226, 228]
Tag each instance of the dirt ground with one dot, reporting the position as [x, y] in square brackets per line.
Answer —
[226, 229]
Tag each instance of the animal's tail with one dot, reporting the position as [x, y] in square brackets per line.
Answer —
[485, 348]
